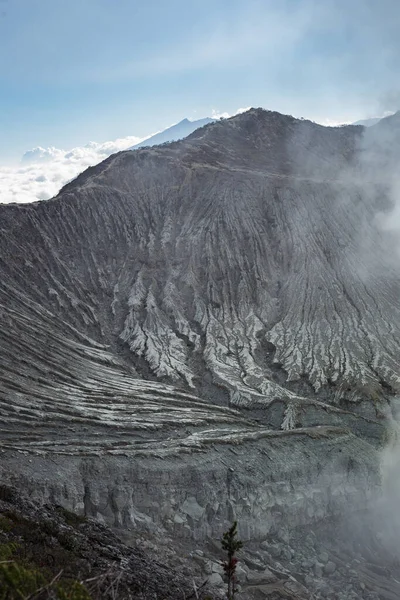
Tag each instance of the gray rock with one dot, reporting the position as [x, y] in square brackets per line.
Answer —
[318, 571]
[323, 557]
[215, 579]
[259, 577]
[191, 508]
[329, 568]
[286, 554]
[275, 551]
[252, 563]
[241, 573]
[178, 519]
[310, 540]
[217, 568]
[283, 535]
[208, 567]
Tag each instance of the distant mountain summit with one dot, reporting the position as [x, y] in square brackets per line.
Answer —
[174, 133]
[374, 120]
[368, 122]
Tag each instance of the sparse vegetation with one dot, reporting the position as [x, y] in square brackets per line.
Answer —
[230, 544]
[20, 580]
[5, 523]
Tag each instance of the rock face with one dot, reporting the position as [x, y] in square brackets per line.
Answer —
[196, 331]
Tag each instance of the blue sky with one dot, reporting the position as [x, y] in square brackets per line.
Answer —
[78, 70]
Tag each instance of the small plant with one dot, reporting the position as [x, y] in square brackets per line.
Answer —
[72, 591]
[6, 551]
[231, 545]
[18, 582]
[5, 524]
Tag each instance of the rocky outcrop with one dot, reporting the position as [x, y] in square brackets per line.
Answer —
[271, 482]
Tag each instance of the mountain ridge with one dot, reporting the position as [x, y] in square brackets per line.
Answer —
[270, 144]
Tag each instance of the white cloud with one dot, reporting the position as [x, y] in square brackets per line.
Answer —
[43, 171]
[332, 122]
[40, 154]
[217, 114]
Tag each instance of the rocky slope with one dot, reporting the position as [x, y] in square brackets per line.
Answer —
[204, 330]
[248, 252]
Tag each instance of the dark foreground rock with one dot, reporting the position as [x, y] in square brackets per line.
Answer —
[61, 544]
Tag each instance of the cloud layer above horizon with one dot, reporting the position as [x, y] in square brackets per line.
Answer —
[42, 172]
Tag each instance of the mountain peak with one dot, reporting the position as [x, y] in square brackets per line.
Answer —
[175, 132]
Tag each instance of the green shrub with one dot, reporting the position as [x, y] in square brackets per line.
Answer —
[5, 524]
[19, 580]
[8, 550]
[72, 591]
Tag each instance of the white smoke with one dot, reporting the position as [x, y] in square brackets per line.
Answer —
[380, 161]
